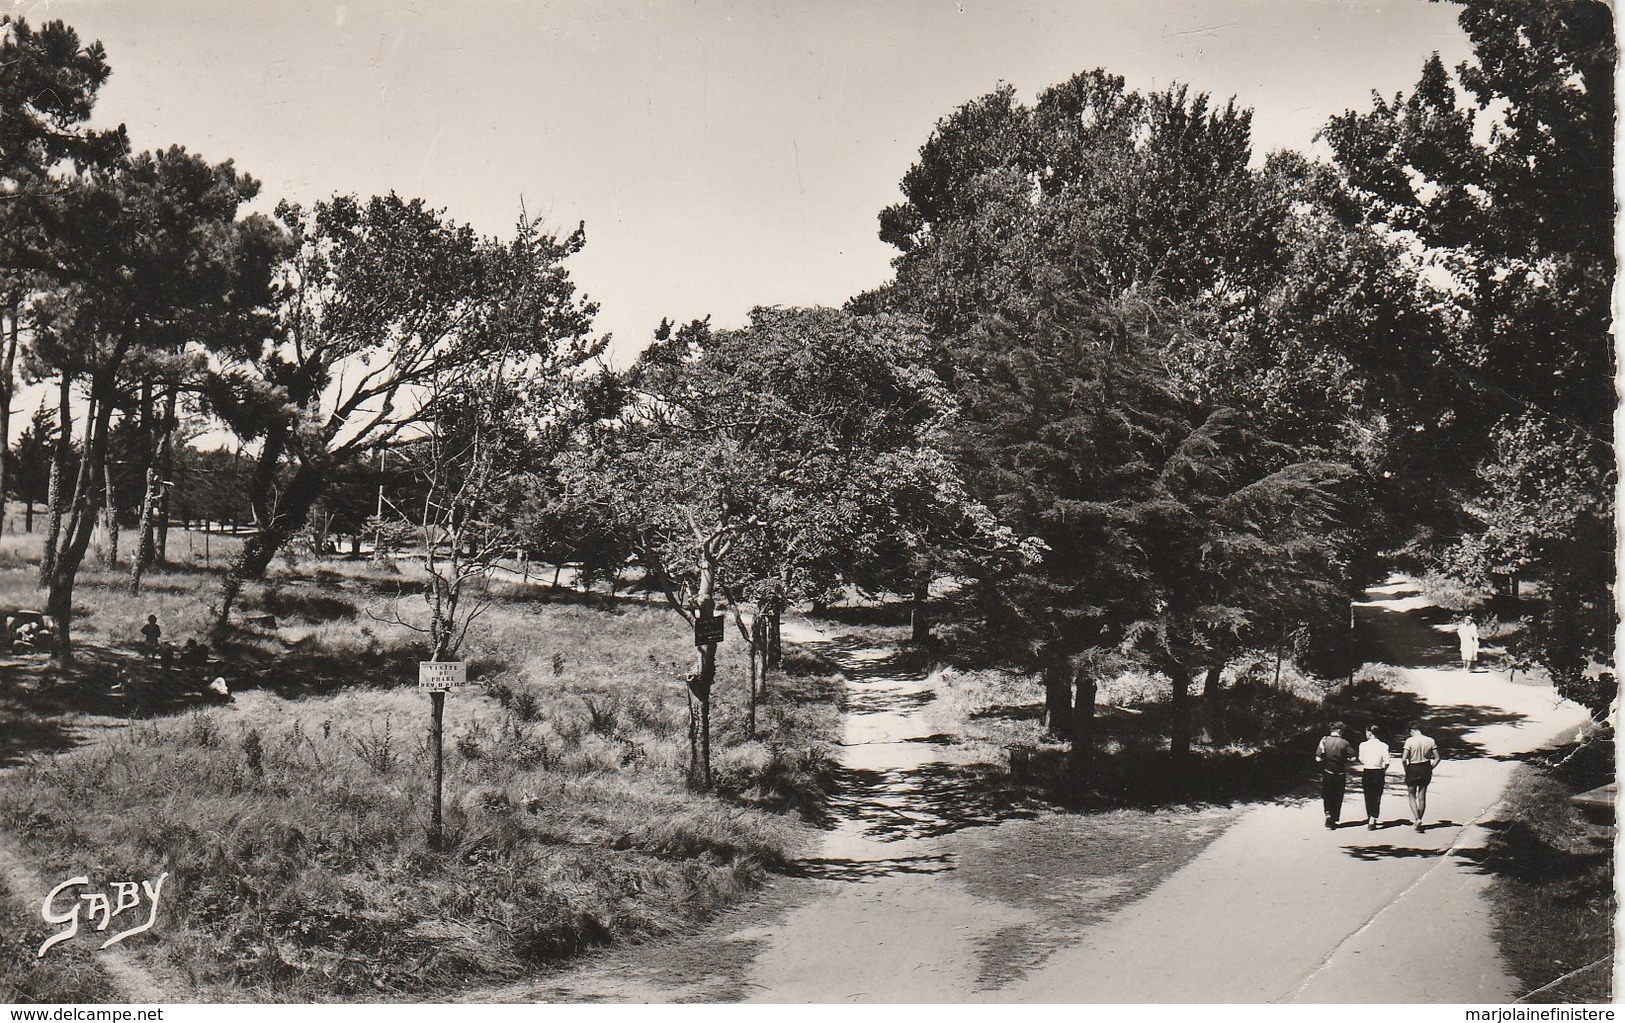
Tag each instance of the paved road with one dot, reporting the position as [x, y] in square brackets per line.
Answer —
[1279, 909]
[1274, 909]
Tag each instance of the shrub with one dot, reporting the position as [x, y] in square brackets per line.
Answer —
[375, 750]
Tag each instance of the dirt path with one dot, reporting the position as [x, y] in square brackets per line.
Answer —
[125, 968]
[1279, 909]
[937, 883]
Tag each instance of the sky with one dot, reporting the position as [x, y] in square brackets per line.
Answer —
[723, 154]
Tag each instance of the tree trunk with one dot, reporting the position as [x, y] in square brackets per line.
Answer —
[693, 741]
[292, 509]
[8, 363]
[775, 638]
[166, 469]
[1058, 694]
[79, 524]
[758, 645]
[1210, 684]
[146, 546]
[705, 737]
[1179, 740]
[919, 623]
[1083, 725]
[706, 672]
[57, 494]
[109, 513]
[750, 657]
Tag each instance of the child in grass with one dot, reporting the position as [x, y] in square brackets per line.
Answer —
[149, 634]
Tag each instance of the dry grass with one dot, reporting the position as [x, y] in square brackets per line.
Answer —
[1553, 894]
[294, 822]
[69, 974]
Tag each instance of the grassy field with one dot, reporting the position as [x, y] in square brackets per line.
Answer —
[294, 821]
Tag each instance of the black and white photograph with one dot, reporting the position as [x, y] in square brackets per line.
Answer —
[1078, 503]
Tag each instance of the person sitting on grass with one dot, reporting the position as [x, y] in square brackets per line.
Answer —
[218, 692]
[27, 638]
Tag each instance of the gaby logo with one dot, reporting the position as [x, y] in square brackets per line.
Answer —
[101, 908]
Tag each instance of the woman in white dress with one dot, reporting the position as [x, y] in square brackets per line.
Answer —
[1467, 630]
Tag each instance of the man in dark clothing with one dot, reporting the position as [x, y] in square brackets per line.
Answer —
[1333, 755]
[149, 637]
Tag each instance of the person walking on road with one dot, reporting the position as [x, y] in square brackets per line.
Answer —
[1373, 772]
[1467, 632]
[1333, 755]
[1420, 757]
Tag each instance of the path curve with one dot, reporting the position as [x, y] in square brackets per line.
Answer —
[125, 967]
[1280, 910]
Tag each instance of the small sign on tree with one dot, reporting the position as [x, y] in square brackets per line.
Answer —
[708, 630]
[439, 676]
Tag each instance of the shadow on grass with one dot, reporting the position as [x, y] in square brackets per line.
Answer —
[297, 599]
[1524, 846]
[931, 800]
[1012, 712]
[306, 668]
[890, 613]
[43, 707]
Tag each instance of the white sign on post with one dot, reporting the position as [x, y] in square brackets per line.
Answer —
[442, 675]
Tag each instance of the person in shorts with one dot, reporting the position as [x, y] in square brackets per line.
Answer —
[1420, 757]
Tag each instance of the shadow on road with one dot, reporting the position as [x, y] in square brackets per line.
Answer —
[1372, 853]
[1406, 639]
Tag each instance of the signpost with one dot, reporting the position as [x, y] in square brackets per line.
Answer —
[438, 678]
[708, 630]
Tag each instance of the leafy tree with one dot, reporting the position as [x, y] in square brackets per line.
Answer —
[1237, 535]
[48, 86]
[753, 463]
[1093, 269]
[134, 251]
[1095, 189]
[1503, 174]
[49, 81]
[1547, 514]
[386, 305]
[31, 458]
[1522, 222]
